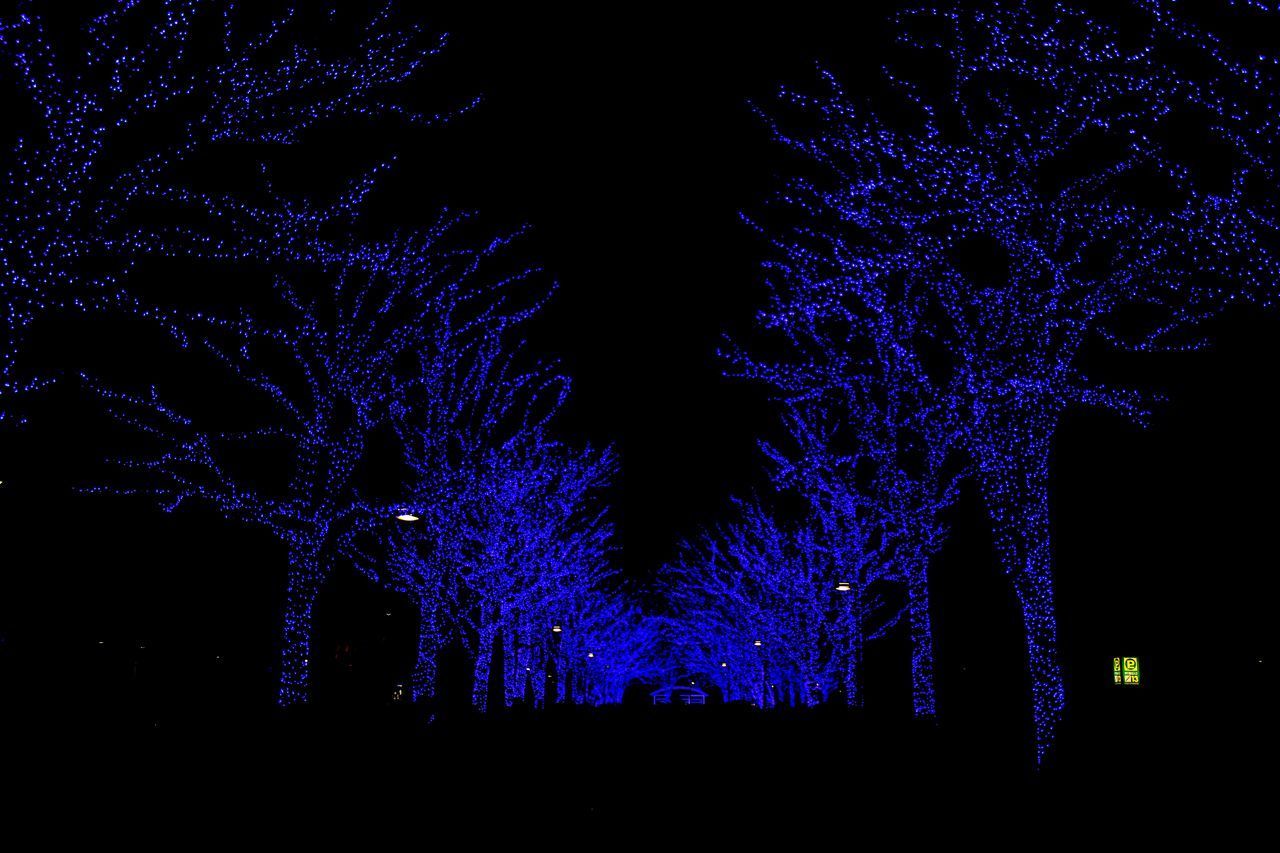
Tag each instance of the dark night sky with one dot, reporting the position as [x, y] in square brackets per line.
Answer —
[622, 135]
[626, 139]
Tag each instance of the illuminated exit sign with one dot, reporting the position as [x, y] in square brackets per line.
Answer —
[1125, 670]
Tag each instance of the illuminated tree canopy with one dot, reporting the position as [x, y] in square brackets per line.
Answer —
[775, 613]
[126, 108]
[511, 562]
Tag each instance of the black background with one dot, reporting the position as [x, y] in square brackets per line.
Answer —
[623, 136]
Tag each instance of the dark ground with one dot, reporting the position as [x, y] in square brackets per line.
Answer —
[730, 771]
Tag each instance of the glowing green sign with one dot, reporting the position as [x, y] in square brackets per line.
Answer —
[1125, 670]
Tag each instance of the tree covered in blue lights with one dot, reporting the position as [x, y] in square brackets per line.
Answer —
[870, 463]
[337, 362]
[129, 106]
[617, 642]
[541, 563]
[1011, 202]
[779, 613]
[512, 559]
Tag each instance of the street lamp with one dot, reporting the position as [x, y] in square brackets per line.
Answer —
[555, 629]
[843, 586]
[406, 516]
[757, 643]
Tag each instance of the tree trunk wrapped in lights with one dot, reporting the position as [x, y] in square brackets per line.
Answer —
[303, 584]
[1015, 478]
[924, 702]
[426, 659]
